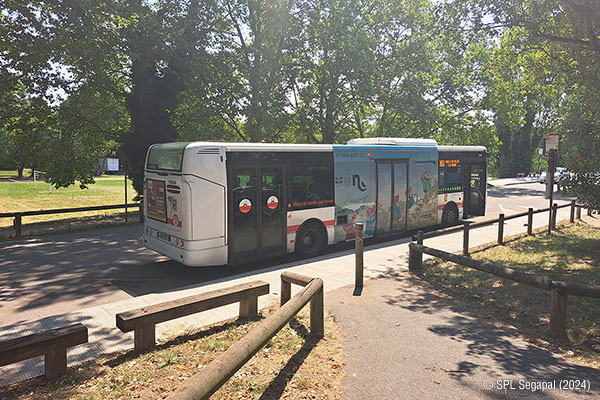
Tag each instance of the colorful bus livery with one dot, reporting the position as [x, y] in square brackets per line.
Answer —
[209, 203]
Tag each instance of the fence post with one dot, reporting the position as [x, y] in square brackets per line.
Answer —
[530, 221]
[558, 314]
[579, 212]
[125, 197]
[572, 215]
[415, 259]
[317, 320]
[18, 222]
[500, 228]
[141, 216]
[286, 291]
[359, 261]
[554, 212]
[420, 237]
[466, 227]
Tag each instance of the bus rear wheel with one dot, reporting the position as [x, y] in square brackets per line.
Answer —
[310, 240]
[450, 215]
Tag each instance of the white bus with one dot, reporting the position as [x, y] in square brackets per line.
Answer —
[213, 203]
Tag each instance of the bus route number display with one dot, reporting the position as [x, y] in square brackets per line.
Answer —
[449, 163]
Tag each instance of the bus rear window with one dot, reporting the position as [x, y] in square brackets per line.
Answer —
[166, 156]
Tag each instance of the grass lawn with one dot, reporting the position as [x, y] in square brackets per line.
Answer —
[23, 196]
[12, 174]
[291, 366]
[571, 254]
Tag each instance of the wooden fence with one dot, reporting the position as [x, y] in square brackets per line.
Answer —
[559, 290]
[209, 380]
[18, 216]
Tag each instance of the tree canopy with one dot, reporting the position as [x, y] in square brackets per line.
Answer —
[85, 77]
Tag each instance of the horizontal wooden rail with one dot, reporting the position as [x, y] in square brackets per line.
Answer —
[503, 272]
[559, 289]
[18, 221]
[66, 210]
[209, 380]
[143, 320]
[52, 344]
[443, 231]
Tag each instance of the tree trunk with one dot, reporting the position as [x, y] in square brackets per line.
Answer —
[149, 104]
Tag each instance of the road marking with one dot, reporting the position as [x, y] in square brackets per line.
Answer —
[505, 211]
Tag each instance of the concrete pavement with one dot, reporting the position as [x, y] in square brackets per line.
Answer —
[337, 271]
[405, 340]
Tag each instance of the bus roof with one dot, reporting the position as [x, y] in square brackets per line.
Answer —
[388, 141]
[244, 146]
[474, 149]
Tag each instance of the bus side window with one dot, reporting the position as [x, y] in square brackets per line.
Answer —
[312, 186]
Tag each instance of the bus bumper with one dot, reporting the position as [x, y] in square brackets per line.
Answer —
[196, 256]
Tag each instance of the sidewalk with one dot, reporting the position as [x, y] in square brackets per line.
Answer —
[513, 181]
[336, 270]
[405, 340]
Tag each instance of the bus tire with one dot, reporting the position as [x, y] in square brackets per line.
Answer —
[311, 239]
[450, 214]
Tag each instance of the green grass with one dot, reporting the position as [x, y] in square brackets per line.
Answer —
[570, 254]
[12, 174]
[23, 196]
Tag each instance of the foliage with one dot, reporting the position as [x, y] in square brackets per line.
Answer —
[499, 74]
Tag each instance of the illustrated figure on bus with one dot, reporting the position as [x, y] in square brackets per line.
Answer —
[410, 197]
[350, 228]
[426, 180]
[370, 221]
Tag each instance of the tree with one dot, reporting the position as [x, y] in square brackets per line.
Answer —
[136, 51]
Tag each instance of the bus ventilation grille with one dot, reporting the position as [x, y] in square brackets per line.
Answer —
[208, 151]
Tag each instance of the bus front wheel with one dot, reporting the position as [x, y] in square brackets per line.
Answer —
[310, 240]
[450, 214]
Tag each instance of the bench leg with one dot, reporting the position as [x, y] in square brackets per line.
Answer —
[249, 307]
[144, 337]
[55, 363]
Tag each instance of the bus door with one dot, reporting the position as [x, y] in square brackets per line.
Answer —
[257, 212]
[475, 188]
[392, 189]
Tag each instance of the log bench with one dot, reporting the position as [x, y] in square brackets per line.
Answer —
[52, 344]
[143, 320]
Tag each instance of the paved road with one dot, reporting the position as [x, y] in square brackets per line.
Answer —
[336, 270]
[59, 273]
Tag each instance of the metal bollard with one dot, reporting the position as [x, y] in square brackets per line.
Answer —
[530, 221]
[500, 228]
[572, 215]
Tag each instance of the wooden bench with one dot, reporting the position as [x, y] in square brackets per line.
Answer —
[143, 320]
[51, 344]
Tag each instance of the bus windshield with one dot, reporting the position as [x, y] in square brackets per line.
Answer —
[166, 156]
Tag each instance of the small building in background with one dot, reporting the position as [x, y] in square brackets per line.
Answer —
[107, 165]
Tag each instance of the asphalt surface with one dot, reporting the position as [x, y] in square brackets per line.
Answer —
[404, 340]
[52, 274]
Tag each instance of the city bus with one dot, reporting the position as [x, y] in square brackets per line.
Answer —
[215, 203]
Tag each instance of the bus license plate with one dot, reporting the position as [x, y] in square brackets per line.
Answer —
[164, 236]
